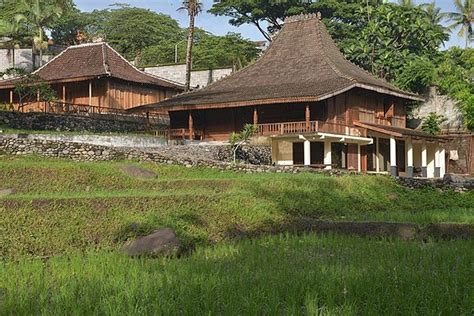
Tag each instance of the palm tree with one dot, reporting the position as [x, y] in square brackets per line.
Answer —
[407, 3]
[40, 14]
[193, 7]
[12, 30]
[433, 12]
[462, 19]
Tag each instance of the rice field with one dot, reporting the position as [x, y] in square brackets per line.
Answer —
[284, 275]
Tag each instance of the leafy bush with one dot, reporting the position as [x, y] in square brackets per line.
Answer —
[432, 123]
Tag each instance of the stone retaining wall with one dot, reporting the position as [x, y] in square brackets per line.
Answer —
[70, 123]
[452, 181]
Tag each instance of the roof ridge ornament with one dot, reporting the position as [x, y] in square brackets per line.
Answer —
[302, 17]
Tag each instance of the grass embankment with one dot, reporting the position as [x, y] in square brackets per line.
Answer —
[61, 206]
[313, 275]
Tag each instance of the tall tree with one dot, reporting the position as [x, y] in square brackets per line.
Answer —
[407, 3]
[462, 19]
[41, 14]
[259, 12]
[13, 31]
[193, 8]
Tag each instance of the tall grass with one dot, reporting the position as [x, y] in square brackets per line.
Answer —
[273, 275]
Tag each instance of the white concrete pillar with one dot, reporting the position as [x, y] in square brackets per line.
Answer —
[424, 160]
[442, 162]
[377, 155]
[393, 157]
[409, 150]
[327, 155]
[359, 166]
[437, 169]
[307, 153]
[343, 157]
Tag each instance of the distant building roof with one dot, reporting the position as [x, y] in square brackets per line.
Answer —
[88, 61]
[302, 64]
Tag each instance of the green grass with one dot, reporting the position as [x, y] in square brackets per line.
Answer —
[312, 275]
[62, 206]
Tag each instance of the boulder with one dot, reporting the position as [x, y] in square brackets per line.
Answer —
[162, 242]
[5, 192]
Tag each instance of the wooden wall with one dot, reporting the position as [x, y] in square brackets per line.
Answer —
[106, 92]
[343, 109]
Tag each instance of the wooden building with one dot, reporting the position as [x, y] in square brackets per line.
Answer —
[93, 78]
[313, 106]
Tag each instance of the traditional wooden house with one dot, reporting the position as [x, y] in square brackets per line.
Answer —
[93, 78]
[315, 108]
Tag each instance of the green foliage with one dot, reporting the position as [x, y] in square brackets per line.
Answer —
[69, 206]
[432, 123]
[462, 19]
[29, 87]
[243, 136]
[276, 275]
[455, 78]
[417, 75]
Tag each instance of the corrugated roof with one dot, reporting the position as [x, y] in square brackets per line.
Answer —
[92, 61]
[302, 64]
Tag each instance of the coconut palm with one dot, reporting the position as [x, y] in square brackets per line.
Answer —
[40, 14]
[462, 19]
[193, 8]
[12, 30]
[407, 3]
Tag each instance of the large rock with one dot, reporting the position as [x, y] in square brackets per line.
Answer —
[162, 242]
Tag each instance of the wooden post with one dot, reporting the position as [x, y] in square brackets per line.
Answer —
[90, 92]
[190, 125]
[11, 96]
[255, 116]
[307, 117]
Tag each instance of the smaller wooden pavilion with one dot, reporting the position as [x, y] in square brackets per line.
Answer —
[93, 78]
[313, 106]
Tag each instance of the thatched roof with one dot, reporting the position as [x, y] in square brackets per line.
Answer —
[302, 64]
[89, 61]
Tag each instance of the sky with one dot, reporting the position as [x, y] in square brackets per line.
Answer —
[219, 25]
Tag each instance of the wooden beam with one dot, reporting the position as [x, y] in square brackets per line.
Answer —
[255, 116]
[90, 92]
[307, 116]
[191, 125]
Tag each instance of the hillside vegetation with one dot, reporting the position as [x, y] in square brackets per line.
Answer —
[60, 206]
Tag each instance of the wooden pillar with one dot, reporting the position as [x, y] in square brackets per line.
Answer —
[255, 116]
[307, 117]
[191, 126]
[90, 92]
[359, 159]
[11, 96]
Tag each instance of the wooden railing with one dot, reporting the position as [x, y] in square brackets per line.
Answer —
[60, 107]
[272, 129]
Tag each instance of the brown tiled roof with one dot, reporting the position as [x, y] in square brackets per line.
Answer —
[91, 61]
[397, 131]
[302, 64]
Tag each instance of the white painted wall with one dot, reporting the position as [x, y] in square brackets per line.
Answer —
[23, 59]
[199, 78]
